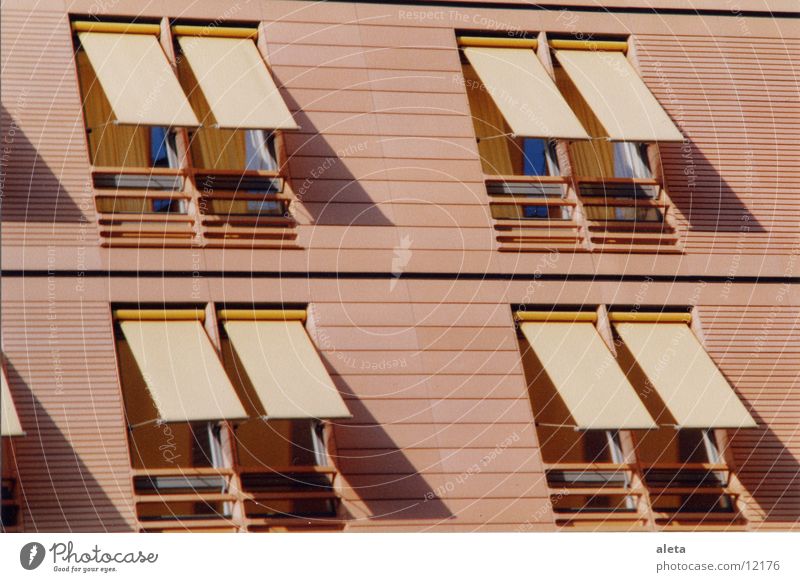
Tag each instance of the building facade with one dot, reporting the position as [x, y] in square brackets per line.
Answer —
[362, 266]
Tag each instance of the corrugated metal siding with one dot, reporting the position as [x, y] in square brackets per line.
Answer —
[47, 195]
[758, 348]
[73, 462]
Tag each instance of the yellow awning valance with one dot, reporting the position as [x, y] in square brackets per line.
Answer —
[498, 41]
[236, 83]
[285, 370]
[524, 93]
[693, 389]
[586, 376]
[10, 425]
[137, 79]
[623, 104]
[181, 370]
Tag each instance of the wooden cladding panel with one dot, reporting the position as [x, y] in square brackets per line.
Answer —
[73, 462]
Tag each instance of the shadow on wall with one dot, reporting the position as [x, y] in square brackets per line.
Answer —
[380, 475]
[321, 180]
[703, 196]
[761, 461]
[57, 490]
[769, 472]
[31, 192]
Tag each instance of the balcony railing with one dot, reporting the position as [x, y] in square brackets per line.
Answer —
[297, 498]
[623, 496]
[539, 213]
[167, 207]
[690, 494]
[533, 213]
[595, 495]
[628, 215]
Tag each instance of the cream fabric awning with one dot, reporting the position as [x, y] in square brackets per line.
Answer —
[524, 93]
[285, 370]
[586, 376]
[9, 420]
[683, 374]
[182, 371]
[626, 108]
[137, 79]
[236, 83]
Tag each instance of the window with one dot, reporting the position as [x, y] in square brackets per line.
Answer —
[10, 427]
[598, 157]
[579, 406]
[199, 417]
[203, 127]
[131, 97]
[515, 123]
[589, 392]
[235, 98]
[133, 100]
[682, 468]
[163, 152]
[503, 153]
[517, 114]
[590, 100]
[657, 401]
[665, 357]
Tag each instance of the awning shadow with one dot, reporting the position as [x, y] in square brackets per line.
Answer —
[702, 195]
[380, 474]
[58, 492]
[31, 191]
[319, 176]
[769, 472]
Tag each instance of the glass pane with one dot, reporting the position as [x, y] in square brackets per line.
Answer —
[260, 150]
[501, 152]
[630, 160]
[566, 445]
[277, 443]
[125, 205]
[532, 212]
[159, 147]
[539, 157]
[248, 207]
[623, 213]
[166, 205]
